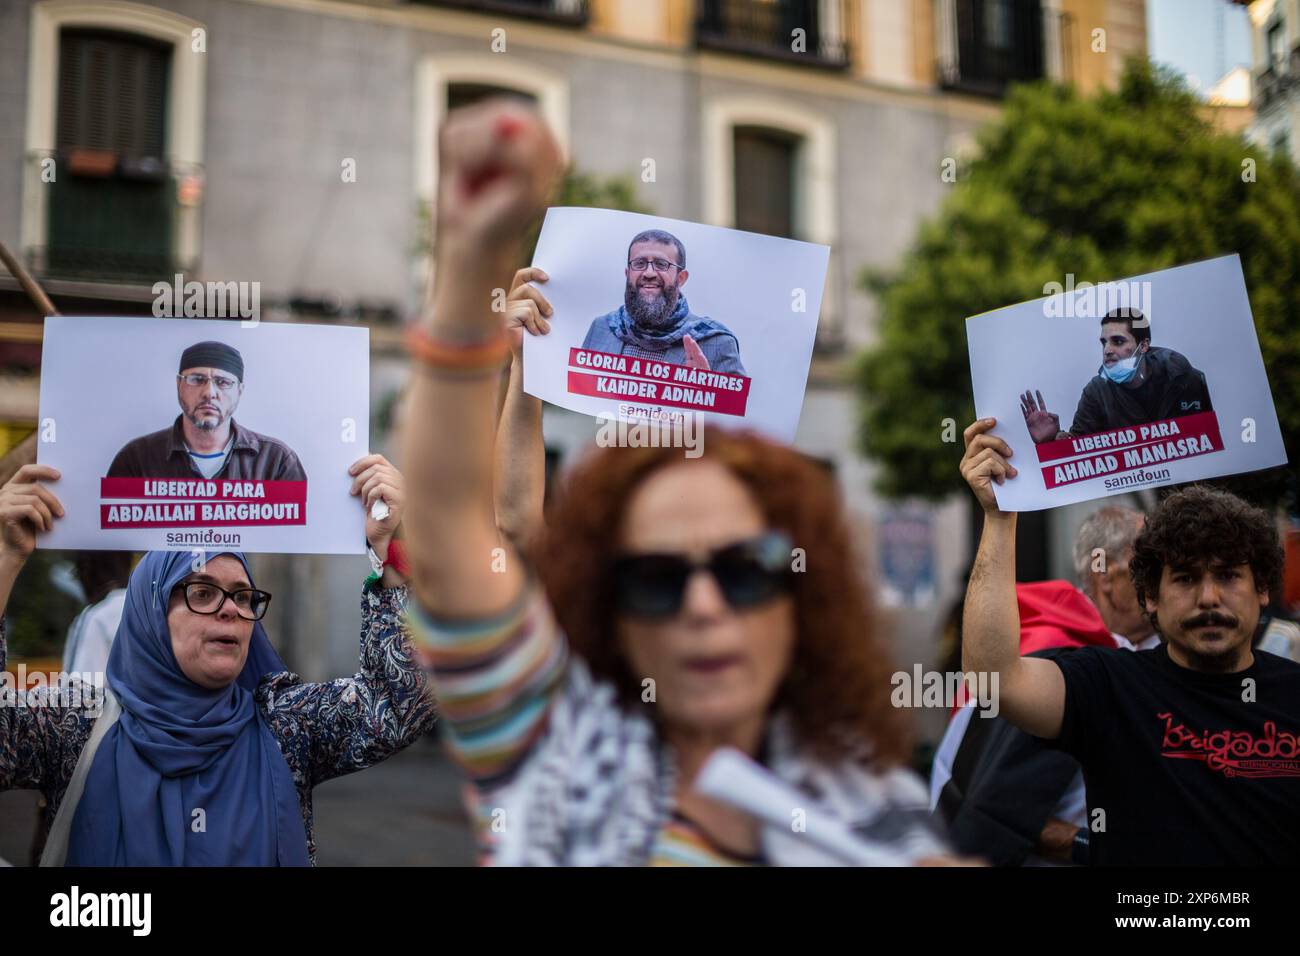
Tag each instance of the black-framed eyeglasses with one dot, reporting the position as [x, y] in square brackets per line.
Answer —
[748, 573]
[203, 597]
[661, 265]
[195, 380]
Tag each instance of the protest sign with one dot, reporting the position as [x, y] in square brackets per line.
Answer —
[655, 318]
[202, 434]
[1137, 383]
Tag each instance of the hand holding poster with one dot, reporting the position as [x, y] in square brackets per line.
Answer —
[628, 342]
[1103, 389]
[209, 433]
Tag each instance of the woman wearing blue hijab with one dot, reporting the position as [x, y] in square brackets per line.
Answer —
[207, 747]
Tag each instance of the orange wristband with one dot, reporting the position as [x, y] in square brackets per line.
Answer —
[473, 356]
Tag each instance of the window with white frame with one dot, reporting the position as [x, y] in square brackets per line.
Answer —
[446, 81]
[769, 165]
[113, 178]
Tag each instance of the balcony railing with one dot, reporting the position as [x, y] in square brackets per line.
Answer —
[104, 218]
[986, 45]
[815, 32]
[571, 12]
[1273, 84]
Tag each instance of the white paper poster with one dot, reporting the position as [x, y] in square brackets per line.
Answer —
[197, 434]
[1137, 383]
[658, 317]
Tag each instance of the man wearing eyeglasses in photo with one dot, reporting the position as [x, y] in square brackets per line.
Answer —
[205, 441]
[655, 321]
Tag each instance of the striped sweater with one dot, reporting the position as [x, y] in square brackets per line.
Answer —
[560, 772]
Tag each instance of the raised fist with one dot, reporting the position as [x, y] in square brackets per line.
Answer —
[498, 166]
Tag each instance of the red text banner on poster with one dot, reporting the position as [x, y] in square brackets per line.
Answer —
[603, 375]
[168, 503]
[1126, 449]
[199, 489]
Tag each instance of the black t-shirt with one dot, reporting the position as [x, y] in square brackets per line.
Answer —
[1186, 771]
[1173, 388]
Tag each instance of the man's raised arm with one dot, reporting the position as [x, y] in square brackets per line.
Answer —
[1031, 691]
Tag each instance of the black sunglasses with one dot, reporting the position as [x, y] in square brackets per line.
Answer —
[202, 597]
[748, 573]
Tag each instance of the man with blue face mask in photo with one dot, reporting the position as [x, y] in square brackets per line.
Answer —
[1137, 383]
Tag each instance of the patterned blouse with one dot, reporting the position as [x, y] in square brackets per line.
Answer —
[324, 730]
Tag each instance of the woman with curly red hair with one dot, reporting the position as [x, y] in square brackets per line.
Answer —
[679, 605]
[834, 679]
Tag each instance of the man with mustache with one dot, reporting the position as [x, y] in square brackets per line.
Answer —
[1009, 797]
[1137, 383]
[205, 441]
[655, 322]
[1191, 750]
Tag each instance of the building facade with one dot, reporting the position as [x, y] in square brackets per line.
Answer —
[214, 138]
[1275, 56]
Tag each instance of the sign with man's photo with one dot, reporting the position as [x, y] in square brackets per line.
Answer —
[655, 318]
[202, 433]
[1122, 385]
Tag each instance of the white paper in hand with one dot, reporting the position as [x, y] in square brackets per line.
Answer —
[1144, 382]
[731, 777]
[747, 303]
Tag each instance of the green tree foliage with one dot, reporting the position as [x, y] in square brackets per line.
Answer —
[1122, 183]
[38, 615]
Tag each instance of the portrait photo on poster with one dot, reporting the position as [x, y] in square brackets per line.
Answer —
[1110, 387]
[201, 433]
[655, 318]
